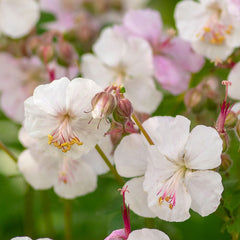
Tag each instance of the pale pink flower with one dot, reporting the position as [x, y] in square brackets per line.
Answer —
[28, 238]
[234, 7]
[18, 79]
[173, 175]
[128, 62]
[212, 30]
[173, 59]
[234, 78]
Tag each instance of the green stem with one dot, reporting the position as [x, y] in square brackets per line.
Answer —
[29, 212]
[47, 213]
[112, 169]
[8, 152]
[142, 129]
[149, 222]
[68, 219]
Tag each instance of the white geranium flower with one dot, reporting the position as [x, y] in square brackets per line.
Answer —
[17, 18]
[125, 62]
[58, 116]
[69, 178]
[28, 238]
[233, 77]
[173, 175]
[209, 26]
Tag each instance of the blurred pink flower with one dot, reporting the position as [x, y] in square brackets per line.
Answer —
[174, 60]
[18, 79]
[234, 7]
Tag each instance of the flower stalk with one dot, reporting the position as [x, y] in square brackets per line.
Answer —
[8, 152]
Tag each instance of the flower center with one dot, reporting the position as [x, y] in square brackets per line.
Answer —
[214, 31]
[64, 137]
[169, 189]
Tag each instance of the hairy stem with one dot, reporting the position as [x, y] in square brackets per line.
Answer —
[142, 129]
[8, 152]
[112, 169]
[68, 219]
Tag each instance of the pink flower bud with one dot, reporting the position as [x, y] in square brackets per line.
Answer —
[226, 163]
[124, 108]
[194, 100]
[65, 53]
[103, 105]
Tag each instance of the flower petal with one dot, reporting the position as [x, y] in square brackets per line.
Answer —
[150, 234]
[146, 24]
[233, 77]
[93, 68]
[110, 47]
[18, 17]
[131, 156]
[95, 160]
[190, 18]
[136, 198]
[143, 94]
[40, 175]
[169, 135]
[170, 75]
[84, 180]
[179, 213]
[205, 188]
[203, 149]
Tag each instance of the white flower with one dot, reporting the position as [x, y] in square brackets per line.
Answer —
[147, 234]
[58, 116]
[17, 18]
[208, 25]
[233, 77]
[172, 176]
[70, 178]
[127, 62]
[28, 238]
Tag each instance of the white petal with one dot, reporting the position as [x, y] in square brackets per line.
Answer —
[84, 180]
[79, 95]
[93, 68]
[39, 175]
[21, 238]
[233, 39]
[26, 140]
[203, 149]
[179, 213]
[143, 94]
[212, 51]
[110, 47]
[147, 234]
[190, 18]
[95, 160]
[131, 156]
[236, 108]
[233, 77]
[136, 198]
[138, 58]
[18, 17]
[169, 135]
[159, 168]
[205, 188]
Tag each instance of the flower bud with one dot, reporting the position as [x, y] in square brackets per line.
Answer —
[103, 104]
[231, 119]
[46, 53]
[225, 140]
[65, 53]
[238, 128]
[226, 163]
[194, 100]
[124, 108]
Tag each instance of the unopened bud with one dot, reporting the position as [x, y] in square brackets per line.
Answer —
[226, 163]
[124, 108]
[231, 119]
[194, 100]
[65, 53]
[46, 53]
[103, 104]
[238, 128]
[225, 140]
